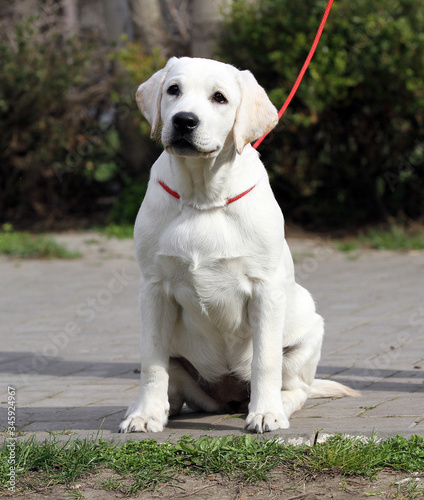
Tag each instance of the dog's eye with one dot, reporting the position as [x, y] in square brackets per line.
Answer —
[173, 90]
[220, 98]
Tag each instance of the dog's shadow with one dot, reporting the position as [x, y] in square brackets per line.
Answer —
[200, 421]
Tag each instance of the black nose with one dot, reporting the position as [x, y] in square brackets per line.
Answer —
[185, 122]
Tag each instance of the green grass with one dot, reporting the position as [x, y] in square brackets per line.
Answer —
[347, 246]
[120, 231]
[395, 238]
[27, 246]
[145, 464]
[412, 488]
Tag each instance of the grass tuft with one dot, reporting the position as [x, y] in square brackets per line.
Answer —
[347, 246]
[145, 464]
[394, 238]
[27, 246]
[120, 231]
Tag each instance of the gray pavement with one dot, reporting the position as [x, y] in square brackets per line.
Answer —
[69, 342]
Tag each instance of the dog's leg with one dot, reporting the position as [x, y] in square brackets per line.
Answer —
[158, 316]
[299, 367]
[266, 317]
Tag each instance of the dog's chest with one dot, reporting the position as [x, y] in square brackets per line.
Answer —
[203, 261]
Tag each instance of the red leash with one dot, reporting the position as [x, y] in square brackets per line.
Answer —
[304, 67]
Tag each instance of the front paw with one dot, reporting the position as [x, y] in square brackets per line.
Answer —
[265, 422]
[137, 420]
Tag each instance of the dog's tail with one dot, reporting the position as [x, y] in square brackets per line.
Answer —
[329, 389]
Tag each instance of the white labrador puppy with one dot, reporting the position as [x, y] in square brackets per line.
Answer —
[224, 325]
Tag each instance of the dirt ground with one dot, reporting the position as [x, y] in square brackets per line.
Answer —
[387, 485]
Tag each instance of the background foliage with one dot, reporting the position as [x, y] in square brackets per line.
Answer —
[350, 148]
[61, 102]
[50, 100]
[348, 151]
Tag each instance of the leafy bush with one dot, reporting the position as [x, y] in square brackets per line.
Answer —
[129, 200]
[55, 149]
[136, 67]
[63, 104]
[350, 148]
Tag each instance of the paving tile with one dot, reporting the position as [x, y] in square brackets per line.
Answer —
[373, 308]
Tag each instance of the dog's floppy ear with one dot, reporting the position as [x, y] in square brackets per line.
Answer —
[149, 94]
[256, 114]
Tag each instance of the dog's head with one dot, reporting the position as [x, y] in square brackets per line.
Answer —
[205, 106]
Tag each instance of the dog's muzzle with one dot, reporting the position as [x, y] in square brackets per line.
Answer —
[186, 139]
[184, 124]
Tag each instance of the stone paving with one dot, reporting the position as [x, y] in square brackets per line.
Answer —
[69, 342]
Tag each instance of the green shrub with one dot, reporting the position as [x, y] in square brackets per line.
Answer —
[137, 67]
[350, 148]
[128, 202]
[55, 150]
[68, 119]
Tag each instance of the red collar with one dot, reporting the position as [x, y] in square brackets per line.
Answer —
[176, 195]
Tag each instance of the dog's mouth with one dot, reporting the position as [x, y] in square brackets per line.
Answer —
[184, 147]
[183, 144]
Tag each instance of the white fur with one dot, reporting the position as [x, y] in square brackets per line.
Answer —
[217, 280]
